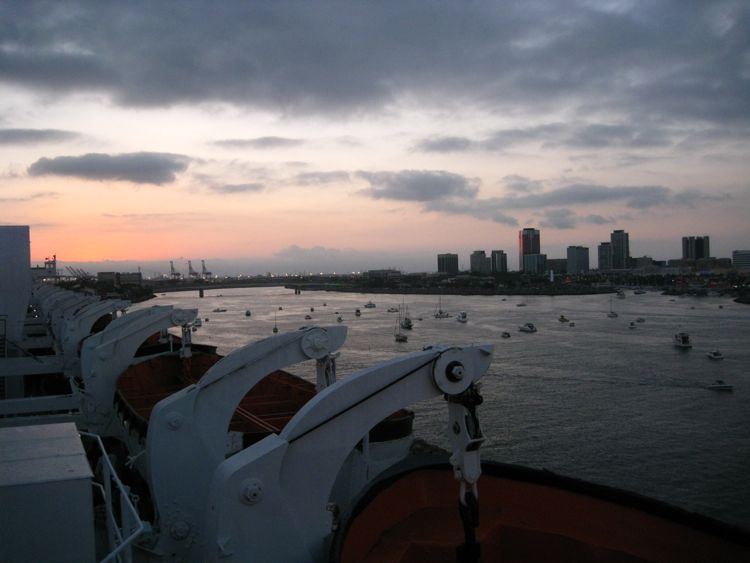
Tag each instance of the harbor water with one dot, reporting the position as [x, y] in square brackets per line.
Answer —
[599, 400]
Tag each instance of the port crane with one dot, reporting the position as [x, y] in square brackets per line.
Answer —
[174, 274]
[192, 273]
[205, 274]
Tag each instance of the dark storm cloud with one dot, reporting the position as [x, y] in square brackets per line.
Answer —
[559, 219]
[252, 187]
[259, 143]
[656, 60]
[34, 136]
[418, 185]
[568, 135]
[139, 168]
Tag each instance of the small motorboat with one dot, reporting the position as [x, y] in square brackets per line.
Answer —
[462, 317]
[308, 317]
[198, 322]
[631, 325]
[563, 319]
[357, 313]
[682, 340]
[393, 309]
[520, 304]
[312, 309]
[715, 355]
[528, 327]
[640, 320]
[571, 323]
[612, 315]
[219, 310]
[370, 305]
[720, 385]
[505, 334]
[248, 313]
[339, 319]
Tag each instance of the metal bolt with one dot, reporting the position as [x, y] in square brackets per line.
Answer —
[174, 420]
[252, 491]
[454, 371]
[179, 530]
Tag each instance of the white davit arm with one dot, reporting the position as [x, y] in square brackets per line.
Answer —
[187, 432]
[268, 502]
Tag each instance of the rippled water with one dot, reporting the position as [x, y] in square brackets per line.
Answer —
[597, 401]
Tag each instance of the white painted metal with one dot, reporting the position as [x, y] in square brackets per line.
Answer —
[289, 477]
[15, 280]
[187, 431]
[107, 354]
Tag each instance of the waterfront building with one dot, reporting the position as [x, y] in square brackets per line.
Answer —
[578, 259]
[695, 248]
[498, 262]
[479, 263]
[620, 250]
[741, 260]
[605, 256]
[447, 264]
[534, 263]
[528, 243]
[557, 265]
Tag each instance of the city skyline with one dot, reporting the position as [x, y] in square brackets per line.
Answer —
[295, 137]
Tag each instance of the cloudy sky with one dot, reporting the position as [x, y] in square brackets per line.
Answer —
[323, 135]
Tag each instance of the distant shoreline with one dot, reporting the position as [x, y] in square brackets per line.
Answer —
[449, 291]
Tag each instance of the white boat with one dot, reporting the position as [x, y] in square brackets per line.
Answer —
[639, 291]
[528, 327]
[405, 319]
[397, 334]
[611, 314]
[720, 385]
[369, 305]
[462, 317]
[439, 313]
[682, 340]
[198, 322]
[715, 355]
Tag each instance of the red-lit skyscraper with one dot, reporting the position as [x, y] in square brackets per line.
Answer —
[528, 243]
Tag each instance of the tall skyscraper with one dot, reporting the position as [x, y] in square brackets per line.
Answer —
[741, 260]
[498, 262]
[534, 263]
[695, 248]
[479, 263]
[605, 256]
[620, 249]
[528, 243]
[578, 259]
[447, 264]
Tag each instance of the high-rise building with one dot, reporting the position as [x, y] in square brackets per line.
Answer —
[528, 243]
[479, 263]
[534, 263]
[498, 262]
[605, 256]
[447, 264]
[620, 249]
[741, 260]
[557, 265]
[695, 248]
[578, 259]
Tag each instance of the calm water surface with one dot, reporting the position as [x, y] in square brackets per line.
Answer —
[597, 401]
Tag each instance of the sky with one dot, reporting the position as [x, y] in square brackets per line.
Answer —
[342, 136]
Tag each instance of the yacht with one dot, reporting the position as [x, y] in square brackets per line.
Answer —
[715, 355]
[528, 327]
[719, 385]
[462, 317]
[682, 340]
